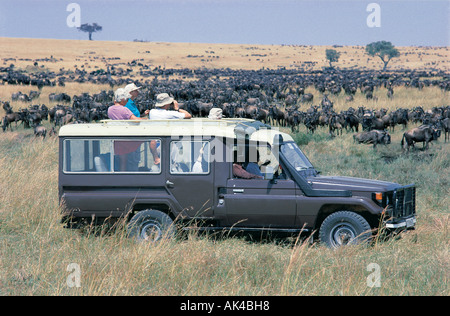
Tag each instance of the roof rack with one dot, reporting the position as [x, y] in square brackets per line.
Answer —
[229, 128]
[179, 122]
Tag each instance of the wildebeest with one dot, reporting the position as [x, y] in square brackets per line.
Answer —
[277, 115]
[62, 97]
[19, 96]
[445, 124]
[308, 97]
[40, 130]
[263, 115]
[9, 118]
[335, 123]
[423, 133]
[311, 122]
[351, 121]
[326, 103]
[373, 137]
[293, 120]
[251, 111]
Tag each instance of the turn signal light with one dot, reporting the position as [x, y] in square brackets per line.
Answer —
[379, 197]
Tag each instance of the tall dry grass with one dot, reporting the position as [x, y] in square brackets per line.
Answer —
[35, 250]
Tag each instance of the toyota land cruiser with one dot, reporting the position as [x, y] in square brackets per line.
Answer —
[153, 173]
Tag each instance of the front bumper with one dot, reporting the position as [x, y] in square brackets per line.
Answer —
[404, 223]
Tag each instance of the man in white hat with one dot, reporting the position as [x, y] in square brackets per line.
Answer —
[167, 108]
[133, 90]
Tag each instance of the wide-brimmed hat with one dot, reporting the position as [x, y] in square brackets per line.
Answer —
[163, 99]
[131, 87]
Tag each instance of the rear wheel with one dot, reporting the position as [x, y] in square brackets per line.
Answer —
[344, 228]
[151, 226]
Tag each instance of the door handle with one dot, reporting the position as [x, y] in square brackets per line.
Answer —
[169, 184]
[238, 190]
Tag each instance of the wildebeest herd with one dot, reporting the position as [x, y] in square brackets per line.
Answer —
[276, 96]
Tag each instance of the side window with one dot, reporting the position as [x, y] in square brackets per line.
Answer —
[137, 156]
[189, 157]
[255, 160]
[270, 161]
[109, 155]
[81, 155]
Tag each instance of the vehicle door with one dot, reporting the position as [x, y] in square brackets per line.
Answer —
[190, 177]
[261, 202]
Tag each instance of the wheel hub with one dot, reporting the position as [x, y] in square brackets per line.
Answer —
[151, 232]
[342, 235]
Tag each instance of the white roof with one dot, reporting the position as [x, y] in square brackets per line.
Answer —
[175, 128]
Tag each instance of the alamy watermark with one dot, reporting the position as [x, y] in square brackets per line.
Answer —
[374, 278]
[74, 18]
[74, 278]
[374, 18]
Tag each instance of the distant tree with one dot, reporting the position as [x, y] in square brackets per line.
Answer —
[332, 56]
[385, 50]
[88, 28]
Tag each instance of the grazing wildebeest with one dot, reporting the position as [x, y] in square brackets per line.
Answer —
[251, 111]
[277, 115]
[311, 122]
[263, 115]
[326, 103]
[62, 97]
[204, 108]
[373, 137]
[445, 125]
[293, 120]
[40, 130]
[390, 93]
[228, 110]
[335, 124]
[402, 117]
[9, 118]
[19, 96]
[351, 121]
[423, 133]
[308, 97]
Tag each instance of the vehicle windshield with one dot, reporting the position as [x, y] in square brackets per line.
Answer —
[295, 156]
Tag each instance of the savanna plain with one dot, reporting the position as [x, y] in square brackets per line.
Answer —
[37, 253]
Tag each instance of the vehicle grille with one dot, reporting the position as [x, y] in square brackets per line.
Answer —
[404, 201]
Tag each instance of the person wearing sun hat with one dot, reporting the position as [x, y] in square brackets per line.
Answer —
[167, 108]
[133, 90]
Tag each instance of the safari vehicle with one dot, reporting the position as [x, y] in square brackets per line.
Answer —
[155, 173]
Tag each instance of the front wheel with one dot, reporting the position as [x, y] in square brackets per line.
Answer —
[344, 228]
[151, 226]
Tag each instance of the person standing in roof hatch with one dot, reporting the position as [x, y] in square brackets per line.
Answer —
[167, 108]
[118, 111]
[133, 90]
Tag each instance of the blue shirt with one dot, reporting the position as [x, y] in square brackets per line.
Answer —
[253, 168]
[133, 108]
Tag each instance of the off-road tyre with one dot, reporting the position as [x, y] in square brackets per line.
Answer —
[151, 226]
[344, 228]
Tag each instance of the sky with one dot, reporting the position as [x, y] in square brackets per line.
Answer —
[289, 22]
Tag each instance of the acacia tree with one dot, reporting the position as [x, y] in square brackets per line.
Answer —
[88, 28]
[385, 50]
[332, 56]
